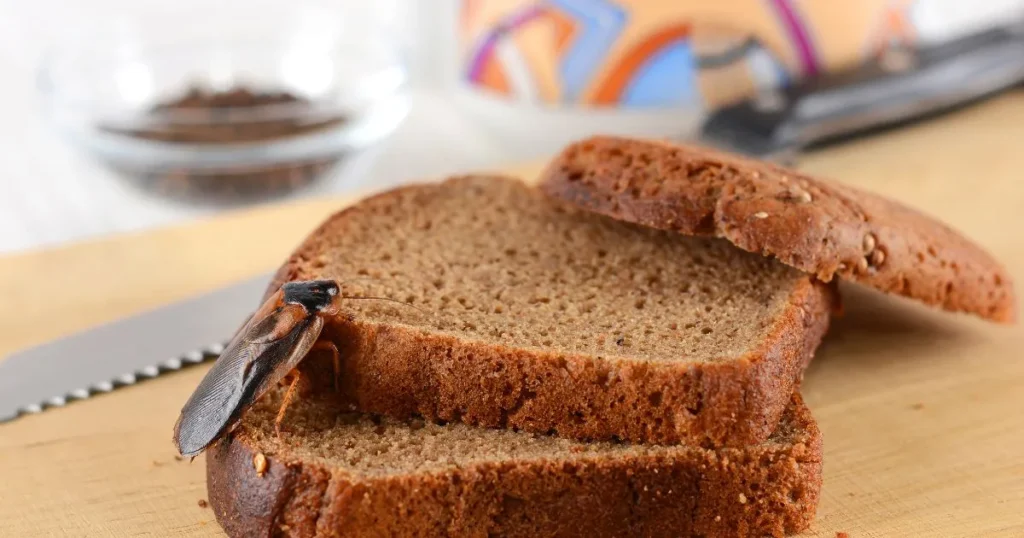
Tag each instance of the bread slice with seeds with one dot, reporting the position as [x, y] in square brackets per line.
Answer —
[340, 474]
[535, 316]
[818, 226]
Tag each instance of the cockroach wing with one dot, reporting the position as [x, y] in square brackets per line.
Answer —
[258, 357]
[267, 372]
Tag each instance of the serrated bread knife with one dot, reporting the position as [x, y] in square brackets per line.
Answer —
[126, 351]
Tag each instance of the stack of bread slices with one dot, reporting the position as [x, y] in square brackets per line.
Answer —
[616, 350]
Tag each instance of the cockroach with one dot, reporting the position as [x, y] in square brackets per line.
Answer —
[269, 346]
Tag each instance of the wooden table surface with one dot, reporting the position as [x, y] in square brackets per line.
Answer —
[921, 411]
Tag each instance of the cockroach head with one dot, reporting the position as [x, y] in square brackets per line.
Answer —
[314, 295]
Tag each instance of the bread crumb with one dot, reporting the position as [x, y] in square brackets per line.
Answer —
[178, 458]
[157, 463]
[842, 534]
[760, 215]
[918, 406]
[718, 518]
[743, 499]
[259, 462]
[202, 503]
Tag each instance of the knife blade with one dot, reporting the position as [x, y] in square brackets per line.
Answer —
[899, 86]
[126, 351]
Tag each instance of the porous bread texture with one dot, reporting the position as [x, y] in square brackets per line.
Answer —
[818, 226]
[529, 314]
[334, 473]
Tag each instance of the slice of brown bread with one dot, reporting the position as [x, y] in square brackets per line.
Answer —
[346, 475]
[536, 316]
[818, 226]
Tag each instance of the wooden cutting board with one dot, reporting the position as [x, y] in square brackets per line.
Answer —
[920, 410]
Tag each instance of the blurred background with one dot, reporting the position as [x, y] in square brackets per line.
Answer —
[123, 115]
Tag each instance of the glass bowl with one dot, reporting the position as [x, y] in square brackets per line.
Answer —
[224, 105]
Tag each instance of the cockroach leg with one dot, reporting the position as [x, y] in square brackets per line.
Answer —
[335, 359]
[284, 404]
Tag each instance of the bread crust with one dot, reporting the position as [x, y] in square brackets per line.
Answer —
[403, 372]
[764, 490]
[818, 226]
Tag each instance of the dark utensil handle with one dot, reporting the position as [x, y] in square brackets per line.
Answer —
[900, 85]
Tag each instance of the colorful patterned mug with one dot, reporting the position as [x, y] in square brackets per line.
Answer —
[684, 53]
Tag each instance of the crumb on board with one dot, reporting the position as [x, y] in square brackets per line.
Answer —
[202, 503]
[157, 463]
[842, 534]
[918, 406]
[259, 463]
[178, 458]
